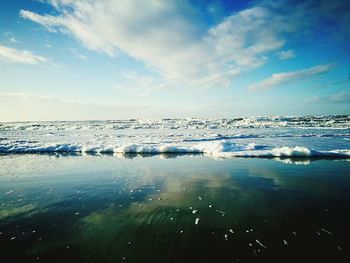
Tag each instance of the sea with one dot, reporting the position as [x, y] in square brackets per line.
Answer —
[263, 189]
[254, 137]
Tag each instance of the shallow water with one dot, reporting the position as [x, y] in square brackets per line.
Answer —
[171, 208]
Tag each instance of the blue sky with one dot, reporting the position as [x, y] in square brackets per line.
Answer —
[117, 59]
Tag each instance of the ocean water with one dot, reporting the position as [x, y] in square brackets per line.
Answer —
[63, 207]
[255, 137]
[176, 190]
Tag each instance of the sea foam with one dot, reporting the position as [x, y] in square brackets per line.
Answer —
[245, 137]
[221, 149]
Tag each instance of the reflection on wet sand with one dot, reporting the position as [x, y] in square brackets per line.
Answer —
[105, 209]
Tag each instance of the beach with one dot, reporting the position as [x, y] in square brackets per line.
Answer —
[169, 208]
[174, 131]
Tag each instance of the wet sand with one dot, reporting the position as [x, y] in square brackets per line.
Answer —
[171, 208]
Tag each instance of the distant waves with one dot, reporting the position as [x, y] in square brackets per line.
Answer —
[335, 122]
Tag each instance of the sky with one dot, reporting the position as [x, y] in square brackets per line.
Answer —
[120, 59]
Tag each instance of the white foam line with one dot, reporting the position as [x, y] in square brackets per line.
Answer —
[222, 150]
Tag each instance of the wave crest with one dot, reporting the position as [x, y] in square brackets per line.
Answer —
[218, 149]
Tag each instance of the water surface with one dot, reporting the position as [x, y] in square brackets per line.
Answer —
[171, 208]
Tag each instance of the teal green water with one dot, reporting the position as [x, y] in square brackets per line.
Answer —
[173, 209]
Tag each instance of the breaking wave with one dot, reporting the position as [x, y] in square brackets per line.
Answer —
[219, 149]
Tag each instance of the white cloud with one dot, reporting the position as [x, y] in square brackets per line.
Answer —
[12, 55]
[77, 54]
[13, 40]
[286, 54]
[279, 79]
[11, 37]
[343, 96]
[140, 85]
[163, 35]
[24, 96]
[25, 106]
[340, 97]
